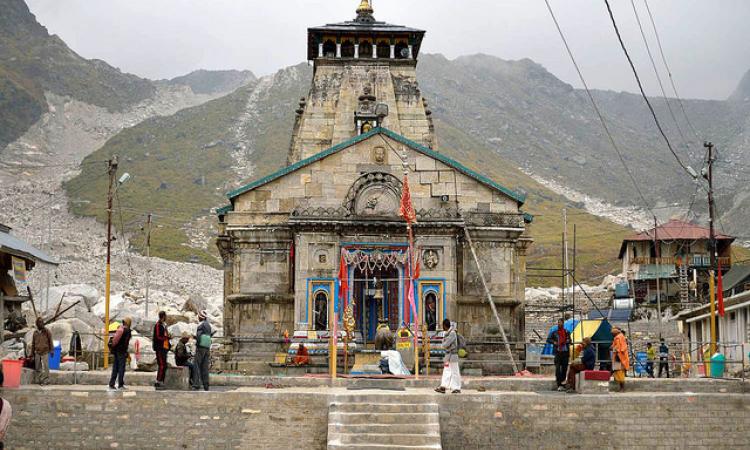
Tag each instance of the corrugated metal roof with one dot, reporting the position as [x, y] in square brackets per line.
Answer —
[14, 246]
[736, 275]
[612, 315]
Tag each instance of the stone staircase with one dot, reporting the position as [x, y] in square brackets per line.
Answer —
[383, 422]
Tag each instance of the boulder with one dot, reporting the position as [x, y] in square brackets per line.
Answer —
[177, 329]
[88, 294]
[195, 303]
[71, 366]
[62, 331]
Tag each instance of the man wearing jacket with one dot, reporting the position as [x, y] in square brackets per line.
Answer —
[451, 379]
[161, 347]
[41, 346]
[560, 341]
[119, 348]
[202, 350]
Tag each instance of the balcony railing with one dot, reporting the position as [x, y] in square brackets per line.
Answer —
[690, 260]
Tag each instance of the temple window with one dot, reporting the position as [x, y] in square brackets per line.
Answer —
[329, 49]
[430, 311]
[347, 49]
[321, 311]
[402, 50]
[384, 50]
[365, 49]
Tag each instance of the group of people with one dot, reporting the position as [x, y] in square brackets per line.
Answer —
[199, 367]
[565, 373]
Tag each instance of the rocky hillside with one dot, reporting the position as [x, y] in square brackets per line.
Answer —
[545, 126]
[215, 81]
[32, 61]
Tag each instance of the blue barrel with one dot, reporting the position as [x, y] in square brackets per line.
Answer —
[718, 364]
[54, 357]
[622, 290]
[640, 363]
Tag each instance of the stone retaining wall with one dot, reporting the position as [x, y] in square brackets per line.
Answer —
[93, 419]
[526, 421]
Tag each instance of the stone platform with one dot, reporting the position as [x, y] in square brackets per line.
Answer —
[89, 417]
[504, 384]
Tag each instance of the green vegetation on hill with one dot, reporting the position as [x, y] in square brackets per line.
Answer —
[179, 165]
[598, 239]
[166, 156]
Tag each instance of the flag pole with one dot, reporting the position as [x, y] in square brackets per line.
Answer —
[411, 293]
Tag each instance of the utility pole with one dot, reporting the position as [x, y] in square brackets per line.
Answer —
[657, 253]
[711, 242]
[566, 262]
[110, 193]
[148, 257]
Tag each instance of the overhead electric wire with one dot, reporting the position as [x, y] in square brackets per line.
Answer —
[669, 72]
[596, 109]
[658, 77]
[643, 93]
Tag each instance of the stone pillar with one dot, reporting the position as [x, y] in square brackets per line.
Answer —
[320, 50]
[356, 51]
[338, 50]
[375, 51]
[393, 51]
[411, 52]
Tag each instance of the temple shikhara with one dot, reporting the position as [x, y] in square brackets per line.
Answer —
[325, 232]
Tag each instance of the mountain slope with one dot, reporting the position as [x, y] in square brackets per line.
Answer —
[215, 81]
[33, 61]
[529, 117]
[169, 156]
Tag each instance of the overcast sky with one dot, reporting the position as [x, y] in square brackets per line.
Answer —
[706, 42]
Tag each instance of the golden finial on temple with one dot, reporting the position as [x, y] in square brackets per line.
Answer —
[365, 7]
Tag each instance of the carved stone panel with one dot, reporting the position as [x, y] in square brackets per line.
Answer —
[321, 256]
[431, 258]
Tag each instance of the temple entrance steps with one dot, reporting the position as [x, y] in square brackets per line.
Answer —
[383, 422]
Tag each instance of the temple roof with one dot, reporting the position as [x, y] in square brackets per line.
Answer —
[519, 198]
[365, 21]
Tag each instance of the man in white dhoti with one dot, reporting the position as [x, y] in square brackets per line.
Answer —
[451, 372]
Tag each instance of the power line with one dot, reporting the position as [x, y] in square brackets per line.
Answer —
[643, 93]
[669, 72]
[596, 108]
[658, 77]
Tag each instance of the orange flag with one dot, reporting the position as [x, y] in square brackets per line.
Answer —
[407, 209]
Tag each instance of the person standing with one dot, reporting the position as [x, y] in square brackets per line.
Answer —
[41, 346]
[650, 358]
[203, 350]
[620, 358]
[560, 341]
[451, 371]
[161, 347]
[663, 358]
[119, 348]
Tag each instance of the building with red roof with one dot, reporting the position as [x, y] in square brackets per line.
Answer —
[675, 256]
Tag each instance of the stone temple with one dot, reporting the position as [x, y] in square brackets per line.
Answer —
[289, 238]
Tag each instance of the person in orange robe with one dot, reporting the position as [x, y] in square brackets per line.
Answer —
[620, 358]
[303, 357]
